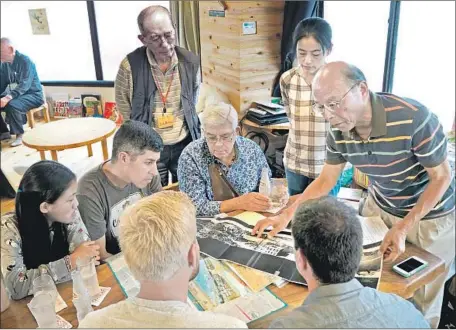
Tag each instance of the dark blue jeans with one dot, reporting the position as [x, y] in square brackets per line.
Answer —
[16, 110]
[297, 183]
[169, 158]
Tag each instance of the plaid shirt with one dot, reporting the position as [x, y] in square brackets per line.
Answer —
[305, 151]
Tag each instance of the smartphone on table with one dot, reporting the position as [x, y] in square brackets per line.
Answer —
[410, 266]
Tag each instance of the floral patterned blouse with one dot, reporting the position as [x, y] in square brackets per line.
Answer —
[19, 279]
[244, 174]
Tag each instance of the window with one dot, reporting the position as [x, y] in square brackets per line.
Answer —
[360, 29]
[118, 31]
[66, 53]
[425, 55]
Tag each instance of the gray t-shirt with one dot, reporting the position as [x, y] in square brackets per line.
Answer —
[101, 203]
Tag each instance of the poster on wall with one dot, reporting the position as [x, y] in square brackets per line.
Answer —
[39, 21]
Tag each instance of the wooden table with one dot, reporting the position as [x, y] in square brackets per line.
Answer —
[70, 133]
[18, 315]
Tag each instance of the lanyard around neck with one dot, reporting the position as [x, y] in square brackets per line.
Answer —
[165, 97]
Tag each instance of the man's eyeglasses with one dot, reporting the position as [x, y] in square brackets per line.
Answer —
[213, 139]
[331, 107]
[157, 38]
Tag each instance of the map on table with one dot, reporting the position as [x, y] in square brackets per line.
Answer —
[216, 288]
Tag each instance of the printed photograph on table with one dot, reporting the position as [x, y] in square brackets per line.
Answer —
[91, 105]
[230, 239]
[215, 288]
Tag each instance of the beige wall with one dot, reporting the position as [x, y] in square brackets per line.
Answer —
[242, 66]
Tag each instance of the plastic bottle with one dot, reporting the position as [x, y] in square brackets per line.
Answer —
[265, 183]
[81, 298]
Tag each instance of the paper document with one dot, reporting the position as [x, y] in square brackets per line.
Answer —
[374, 230]
[269, 105]
[350, 194]
[256, 280]
[127, 282]
[60, 303]
[275, 210]
[252, 307]
[215, 284]
[249, 217]
[353, 204]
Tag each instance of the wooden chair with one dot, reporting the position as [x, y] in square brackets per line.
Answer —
[44, 108]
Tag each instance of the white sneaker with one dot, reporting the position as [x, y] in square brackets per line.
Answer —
[16, 142]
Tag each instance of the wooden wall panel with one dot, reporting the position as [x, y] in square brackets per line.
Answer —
[243, 66]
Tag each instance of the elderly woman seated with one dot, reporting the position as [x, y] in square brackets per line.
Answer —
[221, 172]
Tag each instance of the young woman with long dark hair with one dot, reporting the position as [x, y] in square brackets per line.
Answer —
[305, 151]
[45, 233]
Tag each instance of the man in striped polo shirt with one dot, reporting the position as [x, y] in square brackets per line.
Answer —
[158, 84]
[400, 145]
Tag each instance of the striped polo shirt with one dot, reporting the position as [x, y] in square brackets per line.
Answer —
[406, 138]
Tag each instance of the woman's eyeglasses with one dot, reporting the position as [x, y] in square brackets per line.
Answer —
[213, 139]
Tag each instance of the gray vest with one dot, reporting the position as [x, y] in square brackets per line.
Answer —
[144, 87]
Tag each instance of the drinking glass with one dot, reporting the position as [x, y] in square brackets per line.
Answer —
[45, 284]
[42, 307]
[279, 192]
[89, 275]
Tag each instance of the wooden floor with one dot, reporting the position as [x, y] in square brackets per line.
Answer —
[15, 161]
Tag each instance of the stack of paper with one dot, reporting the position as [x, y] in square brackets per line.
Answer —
[350, 194]
[374, 230]
[370, 268]
[256, 280]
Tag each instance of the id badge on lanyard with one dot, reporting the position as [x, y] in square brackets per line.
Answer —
[165, 119]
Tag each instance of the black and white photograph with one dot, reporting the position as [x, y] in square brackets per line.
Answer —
[370, 268]
[231, 239]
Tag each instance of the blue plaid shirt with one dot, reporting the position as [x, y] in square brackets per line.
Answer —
[194, 179]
